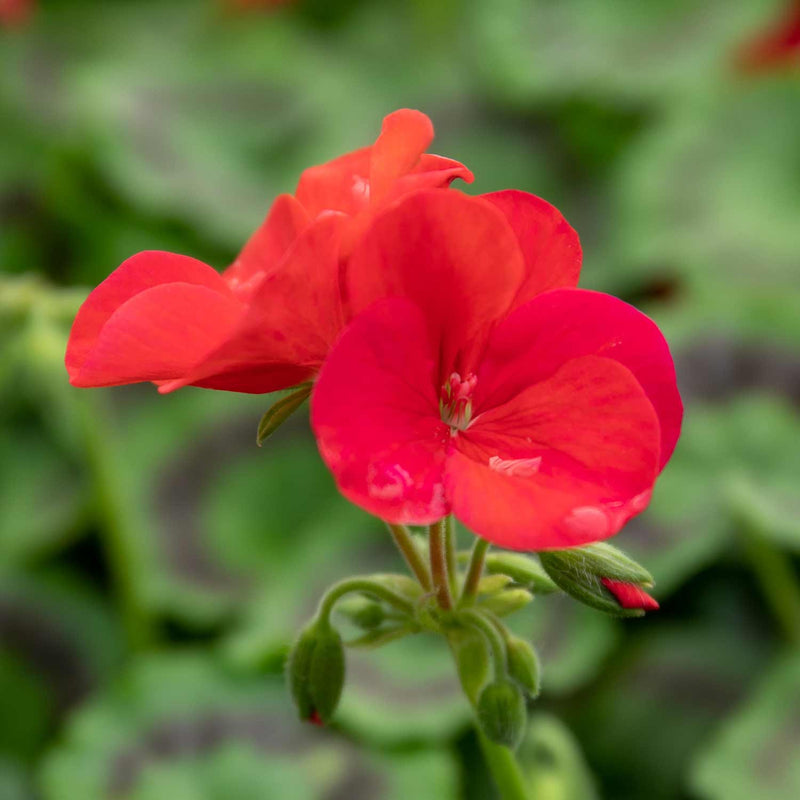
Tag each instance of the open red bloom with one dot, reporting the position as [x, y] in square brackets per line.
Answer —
[484, 384]
[777, 47]
[269, 320]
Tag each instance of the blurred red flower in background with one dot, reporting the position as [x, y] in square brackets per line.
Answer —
[269, 320]
[485, 384]
[776, 47]
[16, 12]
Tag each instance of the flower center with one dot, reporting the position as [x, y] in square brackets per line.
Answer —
[455, 400]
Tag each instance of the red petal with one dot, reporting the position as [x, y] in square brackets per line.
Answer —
[375, 413]
[292, 320]
[548, 242]
[135, 275]
[565, 462]
[534, 341]
[269, 244]
[629, 595]
[454, 256]
[405, 135]
[775, 47]
[158, 335]
[340, 185]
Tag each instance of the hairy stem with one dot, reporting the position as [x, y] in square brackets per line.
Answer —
[450, 554]
[405, 544]
[365, 586]
[438, 558]
[474, 570]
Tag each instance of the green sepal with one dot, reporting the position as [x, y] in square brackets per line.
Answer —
[523, 665]
[315, 670]
[280, 411]
[473, 661]
[502, 713]
[579, 572]
[522, 569]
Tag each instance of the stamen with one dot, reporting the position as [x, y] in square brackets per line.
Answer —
[455, 400]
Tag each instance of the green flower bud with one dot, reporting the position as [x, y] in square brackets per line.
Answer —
[593, 575]
[523, 665]
[472, 661]
[367, 614]
[507, 602]
[501, 712]
[315, 671]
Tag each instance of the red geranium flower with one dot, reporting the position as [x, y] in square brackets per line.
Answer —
[269, 320]
[776, 47]
[486, 385]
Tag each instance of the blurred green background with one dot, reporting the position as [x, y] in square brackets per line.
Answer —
[154, 563]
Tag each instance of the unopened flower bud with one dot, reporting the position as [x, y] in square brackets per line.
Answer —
[472, 661]
[316, 672]
[630, 596]
[501, 712]
[602, 577]
[523, 665]
[507, 602]
[367, 614]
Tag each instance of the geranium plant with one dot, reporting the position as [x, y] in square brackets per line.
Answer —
[454, 371]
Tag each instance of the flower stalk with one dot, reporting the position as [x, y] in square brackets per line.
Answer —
[439, 571]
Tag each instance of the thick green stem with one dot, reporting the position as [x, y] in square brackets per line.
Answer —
[450, 554]
[117, 539]
[438, 558]
[405, 544]
[504, 769]
[365, 586]
[474, 570]
[501, 762]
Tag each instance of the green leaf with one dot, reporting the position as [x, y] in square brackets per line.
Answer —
[280, 411]
[552, 762]
[181, 726]
[754, 752]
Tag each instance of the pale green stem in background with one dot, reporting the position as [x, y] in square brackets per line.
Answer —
[778, 581]
[405, 544]
[474, 570]
[438, 558]
[117, 539]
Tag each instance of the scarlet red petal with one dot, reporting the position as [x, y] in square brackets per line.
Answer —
[548, 242]
[269, 244]
[405, 135]
[535, 340]
[375, 413]
[339, 185]
[454, 256]
[567, 461]
[158, 335]
[292, 320]
[776, 47]
[137, 274]
[629, 595]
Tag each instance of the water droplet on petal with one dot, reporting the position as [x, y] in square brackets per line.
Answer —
[516, 467]
[589, 522]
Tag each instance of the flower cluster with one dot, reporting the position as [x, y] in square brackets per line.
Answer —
[456, 367]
